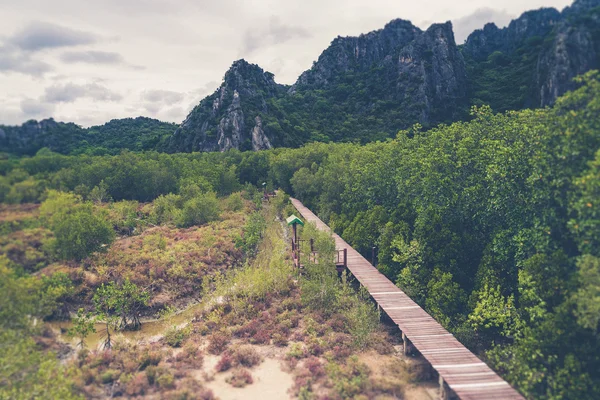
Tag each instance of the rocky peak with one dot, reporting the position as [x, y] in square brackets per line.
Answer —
[364, 51]
[483, 42]
[228, 118]
[581, 6]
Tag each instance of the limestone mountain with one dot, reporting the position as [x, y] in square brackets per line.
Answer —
[232, 117]
[361, 88]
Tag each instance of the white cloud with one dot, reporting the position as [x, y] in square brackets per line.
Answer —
[464, 26]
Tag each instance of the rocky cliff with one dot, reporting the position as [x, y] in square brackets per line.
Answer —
[361, 88]
[231, 118]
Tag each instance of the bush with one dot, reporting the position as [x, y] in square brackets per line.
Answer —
[217, 342]
[138, 385]
[80, 232]
[175, 337]
[240, 378]
[225, 363]
[166, 209]
[109, 376]
[200, 210]
[246, 356]
[234, 202]
[166, 381]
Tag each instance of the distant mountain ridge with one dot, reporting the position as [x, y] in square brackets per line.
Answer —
[369, 87]
[136, 134]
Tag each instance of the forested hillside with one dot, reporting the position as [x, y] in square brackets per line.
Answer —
[491, 225]
[136, 134]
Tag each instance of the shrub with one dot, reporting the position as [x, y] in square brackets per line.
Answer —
[200, 210]
[166, 381]
[150, 358]
[151, 373]
[217, 342]
[280, 340]
[175, 337]
[80, 232]
[234, 202]
[109, 376]
[261, 337]
[349, 380]
[225, 363]
[297, 351]
[240, 378]
[138, 385]
[315, 367]
[246, 356]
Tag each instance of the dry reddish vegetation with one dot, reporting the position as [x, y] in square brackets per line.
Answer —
[170, 263]
[17, 212]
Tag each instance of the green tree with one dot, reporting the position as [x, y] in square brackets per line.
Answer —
[83, 325]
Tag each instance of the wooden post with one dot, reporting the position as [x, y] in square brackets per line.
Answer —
[346, 258]
[373, 256]
[407, 344]
[312, 245]
[295, 233]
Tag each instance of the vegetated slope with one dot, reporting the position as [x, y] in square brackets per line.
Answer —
[360, 88]
[533, 61]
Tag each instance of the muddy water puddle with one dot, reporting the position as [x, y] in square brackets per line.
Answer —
[151, 330]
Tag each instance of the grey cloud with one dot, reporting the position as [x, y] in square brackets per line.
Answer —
[13, 60]
[464, 26]
[42, 35]
[162, 96]
[92, 57]
[32, 108]
[275, 32]
[70, 92]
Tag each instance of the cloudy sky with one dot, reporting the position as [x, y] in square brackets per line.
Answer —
[91, 61]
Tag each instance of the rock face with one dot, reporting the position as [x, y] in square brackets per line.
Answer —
[573, 50]
[260, 141]
[362, 52]
[421, 71]
[231, 117]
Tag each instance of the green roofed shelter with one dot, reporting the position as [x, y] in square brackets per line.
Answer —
[293, 220]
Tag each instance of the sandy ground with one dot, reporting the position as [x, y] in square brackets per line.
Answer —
[270, 382]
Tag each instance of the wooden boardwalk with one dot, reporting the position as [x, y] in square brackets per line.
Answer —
[459, 369]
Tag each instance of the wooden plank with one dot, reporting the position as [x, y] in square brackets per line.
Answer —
[465, 374]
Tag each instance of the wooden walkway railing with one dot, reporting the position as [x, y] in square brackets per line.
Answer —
[460, 372]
